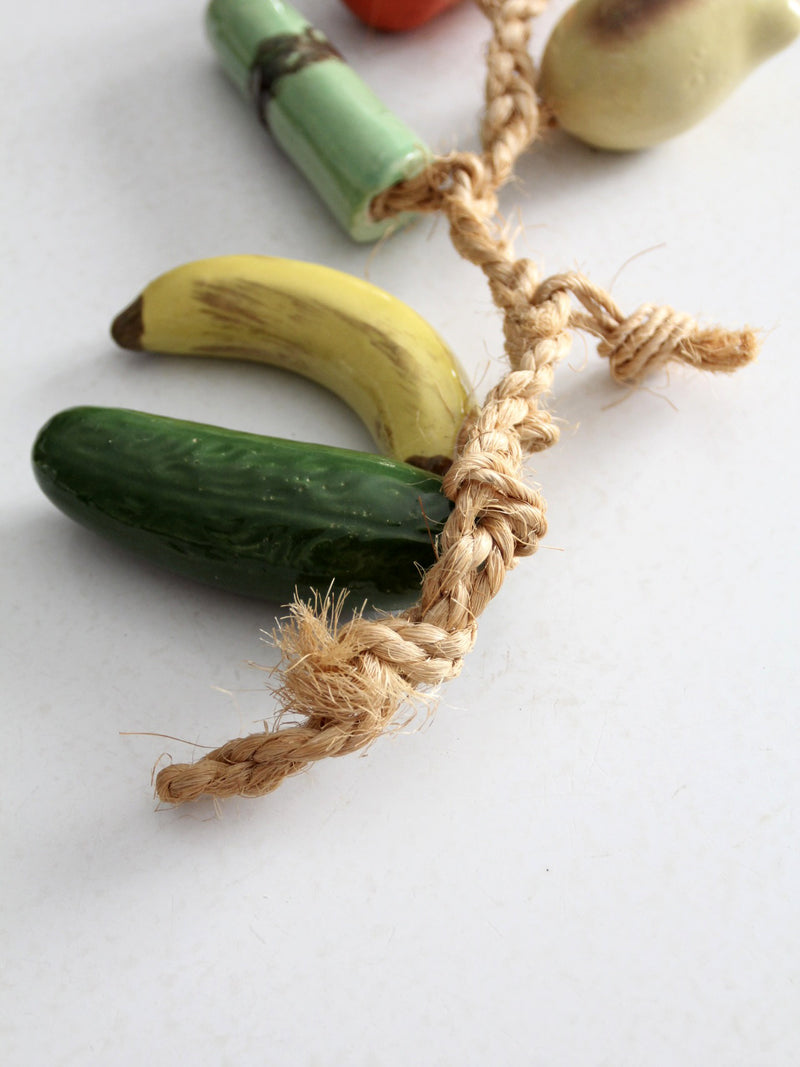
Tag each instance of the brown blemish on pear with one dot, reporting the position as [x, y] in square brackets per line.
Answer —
[617, 19]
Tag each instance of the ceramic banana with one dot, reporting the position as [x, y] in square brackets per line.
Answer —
[366, 346]
[627, 74]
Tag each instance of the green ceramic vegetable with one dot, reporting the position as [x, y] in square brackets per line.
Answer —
[250, 514]
[338, 133]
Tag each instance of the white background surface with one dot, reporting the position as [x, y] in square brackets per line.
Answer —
[589, 855]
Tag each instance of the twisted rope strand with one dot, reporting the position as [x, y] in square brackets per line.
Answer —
[345, 683]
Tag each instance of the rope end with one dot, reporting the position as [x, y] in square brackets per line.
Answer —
[654, 336]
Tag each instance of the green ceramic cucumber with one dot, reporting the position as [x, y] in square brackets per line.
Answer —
[254, 515]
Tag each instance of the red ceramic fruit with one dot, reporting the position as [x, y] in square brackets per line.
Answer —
[395, 15]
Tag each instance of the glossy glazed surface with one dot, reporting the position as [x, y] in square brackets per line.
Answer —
[369, 348]
[398, 15]
[255, 515]
[338, 133]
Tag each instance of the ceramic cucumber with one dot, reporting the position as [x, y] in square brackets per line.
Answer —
[250, 514]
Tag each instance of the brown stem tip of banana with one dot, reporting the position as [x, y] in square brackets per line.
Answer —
[127, 327]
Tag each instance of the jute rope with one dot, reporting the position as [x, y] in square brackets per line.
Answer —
[343, 683]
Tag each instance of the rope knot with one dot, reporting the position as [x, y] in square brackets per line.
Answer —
[653, 336]
[646, 341]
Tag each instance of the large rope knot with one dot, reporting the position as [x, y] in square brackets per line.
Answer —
[505, 515]
[342, 687]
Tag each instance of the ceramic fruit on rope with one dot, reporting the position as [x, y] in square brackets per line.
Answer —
[626, 75]
[240, 509]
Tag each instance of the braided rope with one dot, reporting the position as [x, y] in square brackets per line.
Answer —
[344, 683]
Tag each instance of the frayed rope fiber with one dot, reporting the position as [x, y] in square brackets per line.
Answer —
[342, 683]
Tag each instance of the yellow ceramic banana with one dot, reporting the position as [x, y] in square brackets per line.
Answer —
[627, 74]
[366, 346]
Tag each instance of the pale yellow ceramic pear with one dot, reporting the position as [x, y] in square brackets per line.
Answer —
[628, 74]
